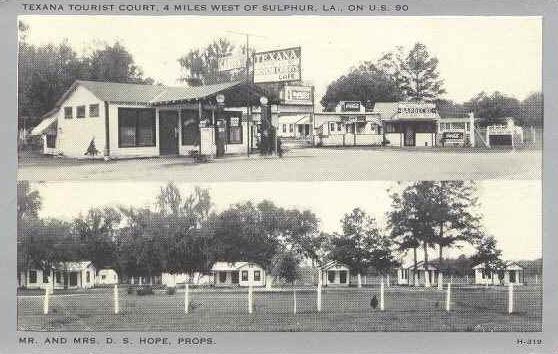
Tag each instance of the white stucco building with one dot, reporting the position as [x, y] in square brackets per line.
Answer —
[63, 275]
[511, 273]
[238, 274]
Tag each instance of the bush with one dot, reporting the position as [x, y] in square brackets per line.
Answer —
[144, 290]
[171, 290]
[130, 290]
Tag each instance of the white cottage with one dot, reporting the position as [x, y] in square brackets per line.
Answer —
[106, 276]
[511, 273]
[65, 275]
[335, 274]
[118, 120]
[426, 275]
[238, 274]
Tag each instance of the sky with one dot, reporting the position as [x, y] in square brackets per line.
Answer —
[475, 53]
[511, 210]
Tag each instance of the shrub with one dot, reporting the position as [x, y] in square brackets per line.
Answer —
[171, 290]
[130, 290]
[145, 290]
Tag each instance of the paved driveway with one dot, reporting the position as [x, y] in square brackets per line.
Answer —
[301, 165]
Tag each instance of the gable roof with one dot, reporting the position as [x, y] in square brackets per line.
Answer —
[333, 263]
[432, 265]
[509, 265]
[226, 266]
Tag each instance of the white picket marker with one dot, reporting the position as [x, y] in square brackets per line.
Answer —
[467, 278]
[440, 281]
[116, 304]
[250, 299]
[382, 295]
[448, 298]
[388, 281]
[45, 302]
[510, 298]
[319, 299]
[187, 298]
[294, 299]
[536, 278]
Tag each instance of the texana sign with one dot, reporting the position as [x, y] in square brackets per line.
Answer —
[277, 65]
[417, 110]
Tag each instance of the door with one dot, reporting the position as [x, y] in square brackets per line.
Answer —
[220, 138]
[512, 276]
[409, 135]
[306, 129]
[234, 278]
[343, 276]
[168, 132]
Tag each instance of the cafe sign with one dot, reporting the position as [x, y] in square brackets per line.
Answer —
[453, 136]
[277, 65]
[412, 110]
[297, 95]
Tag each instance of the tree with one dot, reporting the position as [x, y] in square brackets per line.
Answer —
[360, 245]
[366, 84]
[491, 108]
[532, 109]
[416, 72]
[285, 266]
[488, 254]
[28, 201]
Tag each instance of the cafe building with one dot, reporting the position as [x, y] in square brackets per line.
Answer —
[122, 120]
[410, 124]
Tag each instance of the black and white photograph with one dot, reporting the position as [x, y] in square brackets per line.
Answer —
[353, 257]
[279, 98]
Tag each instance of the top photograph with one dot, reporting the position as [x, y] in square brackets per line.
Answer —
[284, 98]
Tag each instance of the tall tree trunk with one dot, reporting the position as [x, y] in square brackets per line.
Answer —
[359, 280]
[415, 273]
[426, 271]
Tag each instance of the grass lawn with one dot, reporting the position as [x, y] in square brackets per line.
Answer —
[406, 309]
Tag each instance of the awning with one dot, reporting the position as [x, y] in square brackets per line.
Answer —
[294, 119]
[43, 126]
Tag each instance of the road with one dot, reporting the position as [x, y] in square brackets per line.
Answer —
[308, 164]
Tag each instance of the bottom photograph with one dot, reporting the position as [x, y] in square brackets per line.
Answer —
[442, 256]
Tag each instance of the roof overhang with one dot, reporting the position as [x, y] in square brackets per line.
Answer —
[43, 126]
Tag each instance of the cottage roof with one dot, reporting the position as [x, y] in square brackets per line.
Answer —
[44, 125]
[420, 265]
[226, 266]
[509, 265]
[332, 264]
[295, 119]
[73, 266]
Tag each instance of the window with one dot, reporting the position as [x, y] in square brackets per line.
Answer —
[405, 274]
[284, 128]
[235, 130]
[58, 277]
[87, 277]
[73, 279]
[244, 275]
[332, 127]
[103, 277]
[343, 276]
[234, 277]
[68, 112]
[392, 128]
[486, 274]
[291, 128]
[136, 127]
[32, 276]
[339, 125]
[222, 277]
[94, 110]
[331, 276]
[46, 274]
[257, 275]
[80, 112]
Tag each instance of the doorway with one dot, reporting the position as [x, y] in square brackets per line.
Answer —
[410, 134]
[512, 276]
[220, 136]
[168, 132]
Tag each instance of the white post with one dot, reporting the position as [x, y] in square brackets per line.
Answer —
[510, 298]
[319, 298]
[440, 281]
[536, 278]
[467, 278]
[448, 297]
[250, 299]
[116, 305]
[359, 281]
[388, 281]
[426, 279]
[294, 300]
[472, 128]
[45, 302]
[382, 295]
[416, 278]
[187, 298]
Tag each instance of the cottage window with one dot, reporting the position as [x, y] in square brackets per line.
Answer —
[405, 274]
[80, 112]
[222, 277]
[257, 275]
[32, 276]
[68, 112]
[103, 277]
[46, 274]
[94, 110]
[331, 276]
[339, 125]
[136, 127]
[58, 277]
[343, 276]
[291, 128]
[284, 128]
[73, 279]
[190, 128]
[87, 277]
[244, 275]
[332, 127]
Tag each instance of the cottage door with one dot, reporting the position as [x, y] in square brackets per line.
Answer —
[512, 276]
[409, 135]
[168, 132]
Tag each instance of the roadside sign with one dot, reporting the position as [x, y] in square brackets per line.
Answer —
[277, 65]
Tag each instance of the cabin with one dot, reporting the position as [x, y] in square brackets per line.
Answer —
[96, 119]
[335, 274]
[62, 275]
[239, 274]
[510, 273]
[106, 276]
[179, 279]
[427, 275]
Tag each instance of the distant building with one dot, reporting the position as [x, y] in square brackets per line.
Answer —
[106, 277]
[63, 275]
[511, 273]
[335, 273]
[406, 273]
[238, 274]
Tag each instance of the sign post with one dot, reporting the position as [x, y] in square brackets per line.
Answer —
[187, 298]
[382, 295]
[116, 304]
[448, 298]
[45, 302]
[510, 298]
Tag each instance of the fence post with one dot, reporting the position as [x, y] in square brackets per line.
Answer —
[116, 305]
[440, 281]
[319, 298]
[382, 295]
[536, 278]
[294, 299]
[510, 298]
[187, 298]
[250, 299]
[448, 297]
[388, 281]
[45, 302]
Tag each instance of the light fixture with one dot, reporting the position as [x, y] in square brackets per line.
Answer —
[220, 98]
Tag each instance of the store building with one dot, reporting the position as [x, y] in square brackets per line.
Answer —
[408, 123]
[349, 125]
[118, 120]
